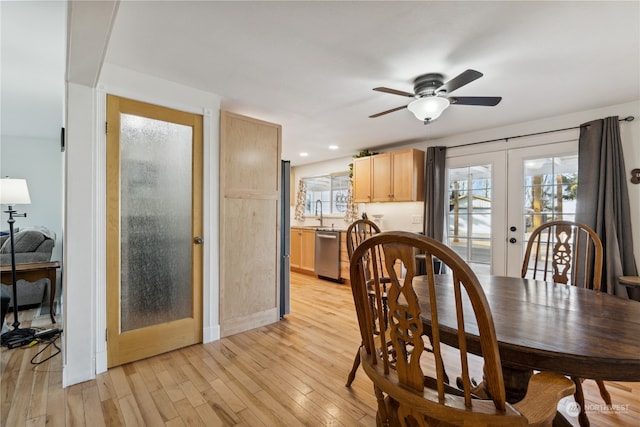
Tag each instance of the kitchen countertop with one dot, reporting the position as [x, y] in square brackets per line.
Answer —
[317, 227]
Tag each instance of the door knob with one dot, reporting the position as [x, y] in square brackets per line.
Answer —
[513, 228]
[512, 240]
[198, 240]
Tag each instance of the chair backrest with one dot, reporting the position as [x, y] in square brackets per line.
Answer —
[401, 343]
[564, 252]
[358, 231]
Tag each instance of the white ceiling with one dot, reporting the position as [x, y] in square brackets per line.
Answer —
[311, 66]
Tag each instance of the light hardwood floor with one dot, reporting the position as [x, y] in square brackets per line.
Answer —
[287, 374]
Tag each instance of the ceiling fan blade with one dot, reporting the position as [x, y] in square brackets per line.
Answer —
[394, 91]
[373, 116]
[487, 101]
[460, 80]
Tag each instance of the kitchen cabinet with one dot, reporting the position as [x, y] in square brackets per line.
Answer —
[344, 258]
[294, 256]
[397, 176]
[362, 180]
[382, 177]
[303, 248]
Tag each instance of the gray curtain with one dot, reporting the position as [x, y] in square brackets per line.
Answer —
[435, 194]
[603, 200]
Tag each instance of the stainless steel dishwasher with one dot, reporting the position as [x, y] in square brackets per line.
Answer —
[327, 259]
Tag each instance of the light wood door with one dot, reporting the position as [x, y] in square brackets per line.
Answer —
[154, 227]
[362, 180]
[249, 222]
[381, 181]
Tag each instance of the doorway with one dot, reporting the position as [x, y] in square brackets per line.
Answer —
[497, 198]
[154, 230]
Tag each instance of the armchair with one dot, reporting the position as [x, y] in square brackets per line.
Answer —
[33, 244]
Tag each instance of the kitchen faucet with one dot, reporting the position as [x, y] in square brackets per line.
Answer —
[319, 219]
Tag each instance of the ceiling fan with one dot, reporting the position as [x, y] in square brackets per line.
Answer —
[431, 98]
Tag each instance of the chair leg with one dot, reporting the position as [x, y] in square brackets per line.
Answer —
[382, 416]
[604, 393]
[354, 368]
[579, 397]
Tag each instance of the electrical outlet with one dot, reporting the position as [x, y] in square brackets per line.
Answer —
[416, 219]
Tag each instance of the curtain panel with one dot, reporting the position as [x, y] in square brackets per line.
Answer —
[603, 200]
[435, 193]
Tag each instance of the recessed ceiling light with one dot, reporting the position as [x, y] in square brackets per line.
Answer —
[304, 154]
[333, 147]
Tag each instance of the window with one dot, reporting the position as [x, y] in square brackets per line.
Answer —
[330, 190]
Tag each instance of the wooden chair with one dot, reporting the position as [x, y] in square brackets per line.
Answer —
[358, 232]
[405, 395]
[571, 253]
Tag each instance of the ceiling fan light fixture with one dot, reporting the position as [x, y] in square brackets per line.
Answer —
[428, 108]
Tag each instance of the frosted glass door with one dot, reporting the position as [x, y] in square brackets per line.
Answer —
[155, 195]
[154, 230]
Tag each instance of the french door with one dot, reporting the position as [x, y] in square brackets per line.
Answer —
[542, 187]
[154, 229]
[496, 199]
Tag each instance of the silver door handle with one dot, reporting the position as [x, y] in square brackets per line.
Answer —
[198, 240]
[327, 236]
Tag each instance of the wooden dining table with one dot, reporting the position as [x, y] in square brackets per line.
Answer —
[547, 327]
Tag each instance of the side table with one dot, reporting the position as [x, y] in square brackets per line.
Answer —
[33, 272]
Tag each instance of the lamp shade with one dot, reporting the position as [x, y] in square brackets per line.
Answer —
[14, 192]
[428, 108]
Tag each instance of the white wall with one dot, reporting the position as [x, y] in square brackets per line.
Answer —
[400, 216]
[79, 254]
[85, 287]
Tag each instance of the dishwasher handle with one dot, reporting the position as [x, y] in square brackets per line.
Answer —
[327, 236]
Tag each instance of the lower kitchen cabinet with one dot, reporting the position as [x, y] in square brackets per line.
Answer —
[302, 257]
[303, 249]
[344, 258]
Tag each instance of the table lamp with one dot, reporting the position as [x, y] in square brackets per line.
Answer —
[14, 192]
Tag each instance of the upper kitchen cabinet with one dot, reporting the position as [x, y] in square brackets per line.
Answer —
[397, 176]
[362, 180]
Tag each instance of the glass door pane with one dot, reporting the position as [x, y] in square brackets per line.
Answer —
[470, 214]
[550, 185]
[156, 208]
